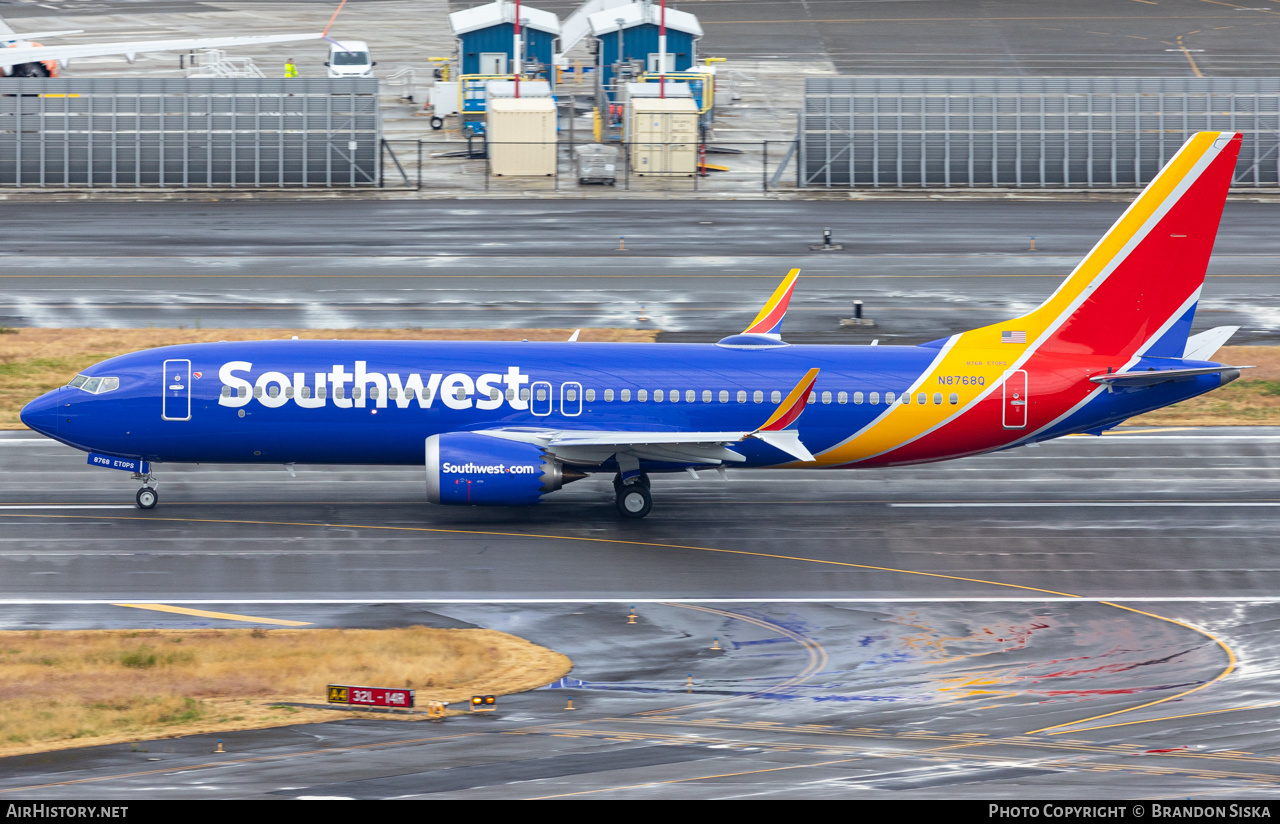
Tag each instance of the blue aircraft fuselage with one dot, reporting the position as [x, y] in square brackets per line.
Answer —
[375, 402]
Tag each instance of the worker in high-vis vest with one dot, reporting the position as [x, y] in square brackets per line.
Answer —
[290, 70]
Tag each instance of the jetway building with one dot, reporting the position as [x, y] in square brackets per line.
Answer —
[628, 34]
[486, 39]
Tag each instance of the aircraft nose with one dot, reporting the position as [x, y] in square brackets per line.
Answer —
[42, 414]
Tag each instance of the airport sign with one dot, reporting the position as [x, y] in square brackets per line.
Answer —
[370, 696]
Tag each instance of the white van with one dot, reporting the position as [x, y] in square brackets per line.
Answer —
[350, 58]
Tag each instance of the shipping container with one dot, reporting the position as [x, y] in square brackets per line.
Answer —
[521, 136]
[663, 136]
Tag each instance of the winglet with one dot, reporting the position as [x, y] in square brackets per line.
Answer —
[769, 321]
[792, 405]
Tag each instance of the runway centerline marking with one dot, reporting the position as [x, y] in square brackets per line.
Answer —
[1231, 656]
[67, 506]
[224, 616]
[1076, 504]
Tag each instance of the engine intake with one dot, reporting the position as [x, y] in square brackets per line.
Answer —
[470, 469]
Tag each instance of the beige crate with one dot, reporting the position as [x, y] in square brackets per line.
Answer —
[521, 135]
[663, 136]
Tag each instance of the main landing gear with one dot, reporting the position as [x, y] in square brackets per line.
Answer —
[147, 497]
[632, 496]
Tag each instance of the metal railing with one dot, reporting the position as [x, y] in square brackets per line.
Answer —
[182, 133]
[404, 80]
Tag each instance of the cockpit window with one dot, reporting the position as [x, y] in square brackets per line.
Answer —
[94, 386]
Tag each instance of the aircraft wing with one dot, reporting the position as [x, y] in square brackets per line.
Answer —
[580, 446]
[586, 447]
[12, 36]
[131, 48]
[595, 446]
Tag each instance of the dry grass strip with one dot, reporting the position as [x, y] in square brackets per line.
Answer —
[83, 688]
[33, 361]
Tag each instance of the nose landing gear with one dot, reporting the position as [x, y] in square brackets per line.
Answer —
[632, 496]
[147, 497]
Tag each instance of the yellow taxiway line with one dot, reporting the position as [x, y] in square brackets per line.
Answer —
[224, 616]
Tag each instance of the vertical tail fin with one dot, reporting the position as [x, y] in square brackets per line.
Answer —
[1136, 291]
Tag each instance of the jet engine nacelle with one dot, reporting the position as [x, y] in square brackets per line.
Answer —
[467, 468]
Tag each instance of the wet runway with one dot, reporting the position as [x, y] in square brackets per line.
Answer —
[924, 270]
[1087, 618]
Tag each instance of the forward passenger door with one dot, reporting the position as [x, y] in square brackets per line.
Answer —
[177, 391]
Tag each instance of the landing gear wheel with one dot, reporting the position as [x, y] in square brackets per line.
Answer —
[147, 498]
[437, 122]
[30, 70]
[634, 500]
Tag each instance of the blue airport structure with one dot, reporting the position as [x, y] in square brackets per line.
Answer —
[486, 38]
[630, 33]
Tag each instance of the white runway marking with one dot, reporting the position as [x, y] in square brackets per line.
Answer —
[67, 506]
[1076, 504]
[1017, 599]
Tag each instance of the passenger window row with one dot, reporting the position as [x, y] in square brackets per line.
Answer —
[757, 396]
[609, 395]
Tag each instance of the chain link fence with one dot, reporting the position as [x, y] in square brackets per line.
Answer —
[727, 167]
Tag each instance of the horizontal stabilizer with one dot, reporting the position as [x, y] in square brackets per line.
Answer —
[1152, 377]
[1204, 346]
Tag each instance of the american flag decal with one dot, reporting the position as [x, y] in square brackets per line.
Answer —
[1013, 337]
